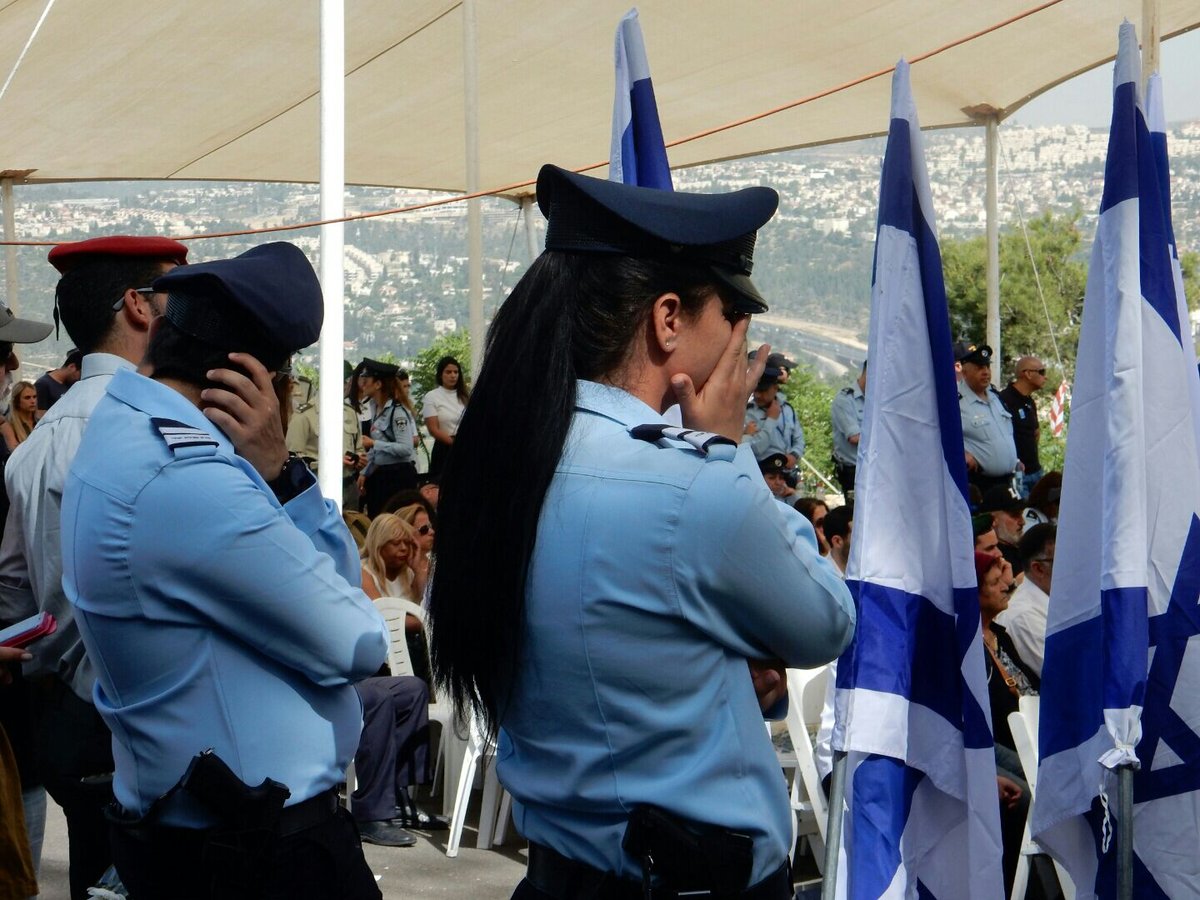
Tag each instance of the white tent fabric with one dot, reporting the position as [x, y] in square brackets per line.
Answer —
[227, 89]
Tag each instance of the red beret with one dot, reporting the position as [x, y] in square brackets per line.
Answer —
[66, 257]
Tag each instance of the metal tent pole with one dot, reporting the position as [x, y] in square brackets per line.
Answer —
[10, 251]
[992, 125]
[1151, 38]
[1125, 832]
[474, 210]
[833, 830]
[333, 181]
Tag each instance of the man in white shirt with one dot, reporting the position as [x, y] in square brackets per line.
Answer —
[839, 525]
[1025, 618]
[106, 307]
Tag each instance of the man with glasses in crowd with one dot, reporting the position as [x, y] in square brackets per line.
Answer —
[104, 302]
[1018, 400]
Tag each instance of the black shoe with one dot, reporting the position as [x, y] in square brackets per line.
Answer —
[385, 834]
[413, 817]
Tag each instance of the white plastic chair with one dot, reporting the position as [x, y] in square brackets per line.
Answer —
[810, 807]
[478, 749]
[439, 711]
[394, 610]
[1024, 727]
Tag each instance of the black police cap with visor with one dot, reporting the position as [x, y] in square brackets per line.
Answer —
[266, 302]
[713, 231]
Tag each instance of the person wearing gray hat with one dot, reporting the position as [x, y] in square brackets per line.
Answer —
[218, 594]
[987, 426]
[589, 553]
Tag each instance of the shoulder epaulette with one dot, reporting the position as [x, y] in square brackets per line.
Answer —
[178, 435]
[701, 440]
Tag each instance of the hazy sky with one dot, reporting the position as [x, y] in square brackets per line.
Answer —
[1087, 100]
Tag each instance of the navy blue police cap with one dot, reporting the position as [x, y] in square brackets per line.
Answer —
[377, 369]
[266, 302]
[716, 231]
[776, 462]
[979, 354]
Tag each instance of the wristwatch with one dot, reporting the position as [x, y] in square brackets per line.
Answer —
[293, 480]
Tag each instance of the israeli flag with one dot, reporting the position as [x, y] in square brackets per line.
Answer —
[922, 817]
[637, 155]
[1122, 671]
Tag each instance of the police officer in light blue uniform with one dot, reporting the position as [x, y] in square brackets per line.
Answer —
[391, 437]
[987, 426]
[218, 593]
[628, 665]
[771, 424]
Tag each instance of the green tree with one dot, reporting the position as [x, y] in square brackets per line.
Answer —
[1189, 262]
[1056, 244]
[424, 371]
[811, 398]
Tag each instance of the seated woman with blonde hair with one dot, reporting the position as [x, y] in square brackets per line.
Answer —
[391, 569]
[388, 555]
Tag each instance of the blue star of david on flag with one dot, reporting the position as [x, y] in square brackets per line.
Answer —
[1119, 684]
[1165, 729]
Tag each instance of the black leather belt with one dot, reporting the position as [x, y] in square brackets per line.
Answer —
[565, 879]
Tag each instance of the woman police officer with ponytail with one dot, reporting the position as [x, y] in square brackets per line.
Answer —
[617, 598]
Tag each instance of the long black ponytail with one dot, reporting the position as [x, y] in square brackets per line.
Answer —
[573, 315]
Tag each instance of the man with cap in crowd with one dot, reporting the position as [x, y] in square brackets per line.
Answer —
[104, 301]
[771, 424]
[846, 415]
[222, 603]
[56, 382]
[1017, 398]
[1008, 520]
[986, 424]
[775, 469]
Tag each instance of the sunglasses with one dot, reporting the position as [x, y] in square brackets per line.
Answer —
[145, 292]
[424, 530]
[1039, 371]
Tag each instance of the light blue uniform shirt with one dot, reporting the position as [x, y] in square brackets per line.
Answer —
[781, 435]
[657, 572]
[846, 416]
[402, 426]
[987, 431]
[213, 616]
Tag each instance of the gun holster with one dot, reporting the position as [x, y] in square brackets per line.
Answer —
[236, 847]
[687, 857]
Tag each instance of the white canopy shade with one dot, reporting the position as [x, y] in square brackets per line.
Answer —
[228, 89]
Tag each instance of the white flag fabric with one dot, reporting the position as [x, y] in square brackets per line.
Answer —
[638, 155]
[1157, 123]
[922, 817]
[1122, 669]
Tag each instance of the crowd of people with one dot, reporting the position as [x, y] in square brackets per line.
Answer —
[217, 643]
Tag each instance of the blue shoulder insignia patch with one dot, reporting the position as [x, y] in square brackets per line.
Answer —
[178, 435]
[701, 440]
